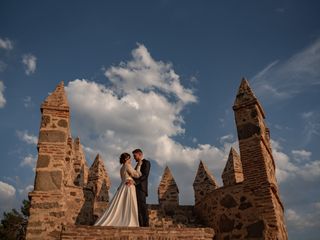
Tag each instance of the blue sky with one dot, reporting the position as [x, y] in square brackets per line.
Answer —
[163, 76]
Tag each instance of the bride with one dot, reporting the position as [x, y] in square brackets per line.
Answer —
[123, 210]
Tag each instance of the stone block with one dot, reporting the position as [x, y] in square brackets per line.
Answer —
[255, 230]
[63, 123]
[54, 136]
[43, 161]
[45, 120]
[228, 201]
[48, 180]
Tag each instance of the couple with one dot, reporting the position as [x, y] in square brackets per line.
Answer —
[128, 206]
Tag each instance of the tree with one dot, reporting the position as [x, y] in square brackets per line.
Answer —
[13, 225]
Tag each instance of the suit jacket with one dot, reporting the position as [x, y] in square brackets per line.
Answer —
[142, 182]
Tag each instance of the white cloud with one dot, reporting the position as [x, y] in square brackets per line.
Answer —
[300, 155]
[7, 196]
[24, 192]
[302, 220]
[142, 109]
[6, 191]
[27, 137]
[30, 63]
[2, 98]
[287, 169]
[228, 137]
[27, 102]
[6, 44]
[282, 80]
[30, 160]
[144, 73]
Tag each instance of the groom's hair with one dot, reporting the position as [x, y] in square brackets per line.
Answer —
[138, 150]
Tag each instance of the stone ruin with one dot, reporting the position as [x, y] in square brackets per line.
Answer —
[69, 196]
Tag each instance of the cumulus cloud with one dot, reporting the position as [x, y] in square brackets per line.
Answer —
[27, 137]
[30, 161]
[30, 63]
[145, 73]
[24, 192]
[6, 190]
[300, 155]
[7, 196]
[302, 220]
[2, 98]
[287, 168]
[141, 109]
[282, 80]
[6, 44]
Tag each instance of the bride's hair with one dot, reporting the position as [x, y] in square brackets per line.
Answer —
[124, 157]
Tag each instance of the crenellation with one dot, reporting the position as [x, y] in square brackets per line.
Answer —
[99, 182]
[204, 183]
[232, 172]
[168, 192]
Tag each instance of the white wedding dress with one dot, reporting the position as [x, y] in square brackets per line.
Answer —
[123, 208]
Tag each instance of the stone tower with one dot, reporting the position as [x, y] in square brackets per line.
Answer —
[232, 172]
[61, 195]
[257, 161]
[248, 206]
[168, 191]
[204, 183]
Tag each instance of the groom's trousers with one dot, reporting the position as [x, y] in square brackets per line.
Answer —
[142, 208]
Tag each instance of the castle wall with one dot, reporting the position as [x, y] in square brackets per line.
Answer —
[135, 233]
[236, 213]
[67, 194]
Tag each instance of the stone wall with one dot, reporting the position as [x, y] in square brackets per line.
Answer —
[181, 216]
[135, 233]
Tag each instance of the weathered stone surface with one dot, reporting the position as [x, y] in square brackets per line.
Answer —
[57, 99]
[248, 130]
[48, 180]
[204, 183]
[226, 224]
[168, 192]
[63, 123]
[228, 201]
[99, 182]
[46, 205]
[43, 161]
[54, 136]
[245, 205]
[255, 230]
[135, 233]
[232, 172]
[45, 120]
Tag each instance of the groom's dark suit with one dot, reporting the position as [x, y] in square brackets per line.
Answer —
[142, 193]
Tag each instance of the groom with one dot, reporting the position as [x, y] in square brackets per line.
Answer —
[142, 187]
